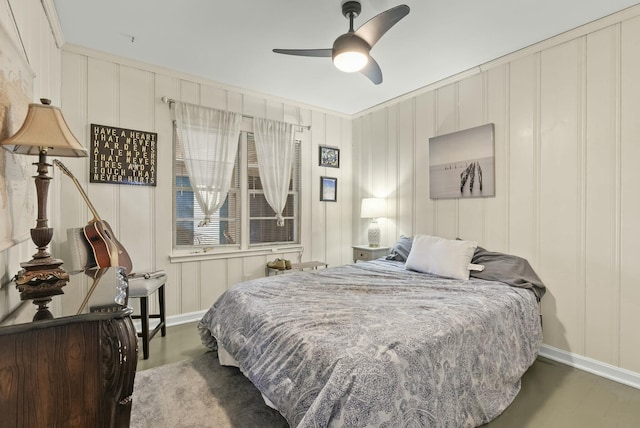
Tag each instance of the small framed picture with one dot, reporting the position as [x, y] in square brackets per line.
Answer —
[329, 156]
[329, 189]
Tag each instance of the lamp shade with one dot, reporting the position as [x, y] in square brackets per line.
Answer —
[372, 208]
[44, 128]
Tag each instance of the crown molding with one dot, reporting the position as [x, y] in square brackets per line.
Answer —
[54, 22]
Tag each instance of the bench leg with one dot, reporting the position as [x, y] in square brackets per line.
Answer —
[163, 329]
[144, 317]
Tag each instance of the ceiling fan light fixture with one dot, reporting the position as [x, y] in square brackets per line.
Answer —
[350, 62]
[350, 53]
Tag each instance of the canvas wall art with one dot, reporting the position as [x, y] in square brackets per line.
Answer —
[462, 164]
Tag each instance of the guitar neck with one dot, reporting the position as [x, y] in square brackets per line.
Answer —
[68, 173]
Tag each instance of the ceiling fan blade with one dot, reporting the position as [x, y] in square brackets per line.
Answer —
[372, 30]
[372, 71]
[305, 52]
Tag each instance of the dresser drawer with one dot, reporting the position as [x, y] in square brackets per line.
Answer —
[365, 253]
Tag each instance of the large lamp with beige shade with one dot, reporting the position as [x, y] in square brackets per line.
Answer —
[44, 132]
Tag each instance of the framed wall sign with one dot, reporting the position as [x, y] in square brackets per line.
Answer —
[123, 156]
[329, 189]
[329, 156]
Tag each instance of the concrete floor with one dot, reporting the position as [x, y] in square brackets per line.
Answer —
[553, 395]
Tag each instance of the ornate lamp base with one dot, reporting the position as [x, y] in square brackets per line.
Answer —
[373, 234]
[33, 287]
[39, 281]
[41, 277]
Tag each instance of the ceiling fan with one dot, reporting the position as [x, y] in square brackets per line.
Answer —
[350, 51]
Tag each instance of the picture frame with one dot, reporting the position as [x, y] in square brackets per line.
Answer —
[328, 189]
[329, 156]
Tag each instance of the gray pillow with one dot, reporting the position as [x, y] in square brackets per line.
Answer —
[401, 249]
[507, 268]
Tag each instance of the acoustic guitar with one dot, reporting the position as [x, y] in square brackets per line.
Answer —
[107, 250]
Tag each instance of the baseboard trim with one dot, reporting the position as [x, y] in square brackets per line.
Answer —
[185, 318]
[174, 319]
[607, 371]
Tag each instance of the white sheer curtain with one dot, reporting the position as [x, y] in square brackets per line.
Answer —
[210, 141]
[275, 148]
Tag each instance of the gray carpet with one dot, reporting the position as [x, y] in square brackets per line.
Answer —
[199, 393]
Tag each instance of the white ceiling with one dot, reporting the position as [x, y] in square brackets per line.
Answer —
[231, 41]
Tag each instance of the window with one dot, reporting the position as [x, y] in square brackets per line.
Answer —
[236, 225]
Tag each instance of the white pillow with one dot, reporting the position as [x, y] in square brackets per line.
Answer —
[439, 256]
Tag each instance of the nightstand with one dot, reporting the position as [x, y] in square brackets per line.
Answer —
[365, 252]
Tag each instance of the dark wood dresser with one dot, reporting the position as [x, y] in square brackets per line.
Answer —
[73, 371]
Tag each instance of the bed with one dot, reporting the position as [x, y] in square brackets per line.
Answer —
[376, 345]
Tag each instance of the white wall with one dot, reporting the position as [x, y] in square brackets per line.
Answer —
[105, 90]
[567, 152]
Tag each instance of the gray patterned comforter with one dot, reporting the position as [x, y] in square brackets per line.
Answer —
[375, 345]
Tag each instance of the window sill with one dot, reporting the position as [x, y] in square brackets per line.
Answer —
[184, 256]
